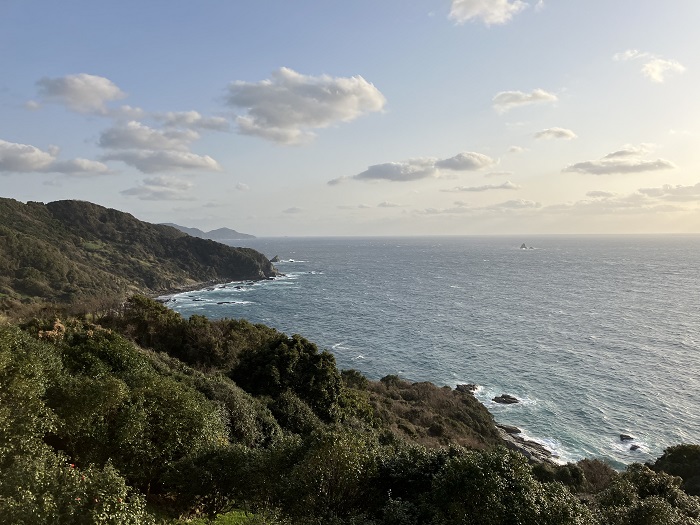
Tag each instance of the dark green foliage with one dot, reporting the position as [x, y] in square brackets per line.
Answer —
[334, 476]
[291, 363]
[71, 251]
[87, 417]
[45, 488]
[641, 496]
[497, 487]
[36, 484]
[198, 341]
[683, 461]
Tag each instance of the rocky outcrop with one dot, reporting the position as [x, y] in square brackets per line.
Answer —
[468, 388]
[626, 437]
[505, 399]
[509, 429]
[533, 451]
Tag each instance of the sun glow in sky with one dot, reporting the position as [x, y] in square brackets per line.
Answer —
[358, 118]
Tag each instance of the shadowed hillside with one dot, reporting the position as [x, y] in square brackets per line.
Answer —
[67, 251]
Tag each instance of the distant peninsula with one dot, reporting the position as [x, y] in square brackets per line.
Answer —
[69, 251]
[220, 234]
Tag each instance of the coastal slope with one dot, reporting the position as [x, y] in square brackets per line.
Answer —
[68, 251]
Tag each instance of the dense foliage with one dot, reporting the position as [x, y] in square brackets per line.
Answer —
[75, 251]
[234, 422]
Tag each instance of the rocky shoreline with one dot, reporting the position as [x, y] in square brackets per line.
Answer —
[533, 451]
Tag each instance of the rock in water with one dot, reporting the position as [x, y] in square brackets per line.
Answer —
[523, 247]
[506, 399]
[468, 388]
[275, 259]
[626, 437]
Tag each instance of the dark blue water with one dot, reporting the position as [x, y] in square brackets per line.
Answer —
[597, 335]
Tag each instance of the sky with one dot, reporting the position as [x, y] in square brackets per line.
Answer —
[362, 118]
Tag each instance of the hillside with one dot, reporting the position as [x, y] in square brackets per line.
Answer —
[220, 234]
[68, 251]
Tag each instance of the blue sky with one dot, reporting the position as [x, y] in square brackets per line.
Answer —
[358, 118]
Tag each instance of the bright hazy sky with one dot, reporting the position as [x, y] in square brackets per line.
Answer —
[368, 117]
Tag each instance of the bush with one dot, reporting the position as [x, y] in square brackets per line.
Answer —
[683, 461]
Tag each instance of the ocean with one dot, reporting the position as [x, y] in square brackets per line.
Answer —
[596, 335]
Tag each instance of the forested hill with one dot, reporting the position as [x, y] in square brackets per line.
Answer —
[69, 251]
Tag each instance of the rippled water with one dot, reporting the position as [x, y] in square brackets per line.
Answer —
[596, 335]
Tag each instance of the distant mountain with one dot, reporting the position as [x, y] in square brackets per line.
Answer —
[71, 250]
[220, 234]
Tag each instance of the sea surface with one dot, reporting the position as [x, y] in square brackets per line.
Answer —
[597, 335]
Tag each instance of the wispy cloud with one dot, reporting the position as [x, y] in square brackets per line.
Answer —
[161, 188]
[148, 161]
[286, 107]
[467, 161]
[489, 12]
[420, 168]
[134, 135]
[556, 133]
[626, 160]
[507, 100]
[505, 186]
[192, 120]
[655, 68]
[676, 193]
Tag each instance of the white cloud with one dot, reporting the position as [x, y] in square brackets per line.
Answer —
[285, 107]
[488, 11]
[82, 93]
[293, 210]
[421, 168]
[467, 161]
[78, 166]
[388, 204]
[135, 135]
[629, 150]
[655, 67]
[127, 112]
[505, 186]
[556, 133]
[507, 100]
[517, 204]
[242, 187]
[162, 188]
[32, 105]
[412, 169]
[673, 193]
[24, 158]
[192, 120]
[626, 160]
[155, 161]
[517, 149]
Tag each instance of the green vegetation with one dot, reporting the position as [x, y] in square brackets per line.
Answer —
[126, 413]
[78, 252]
[146, 417]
